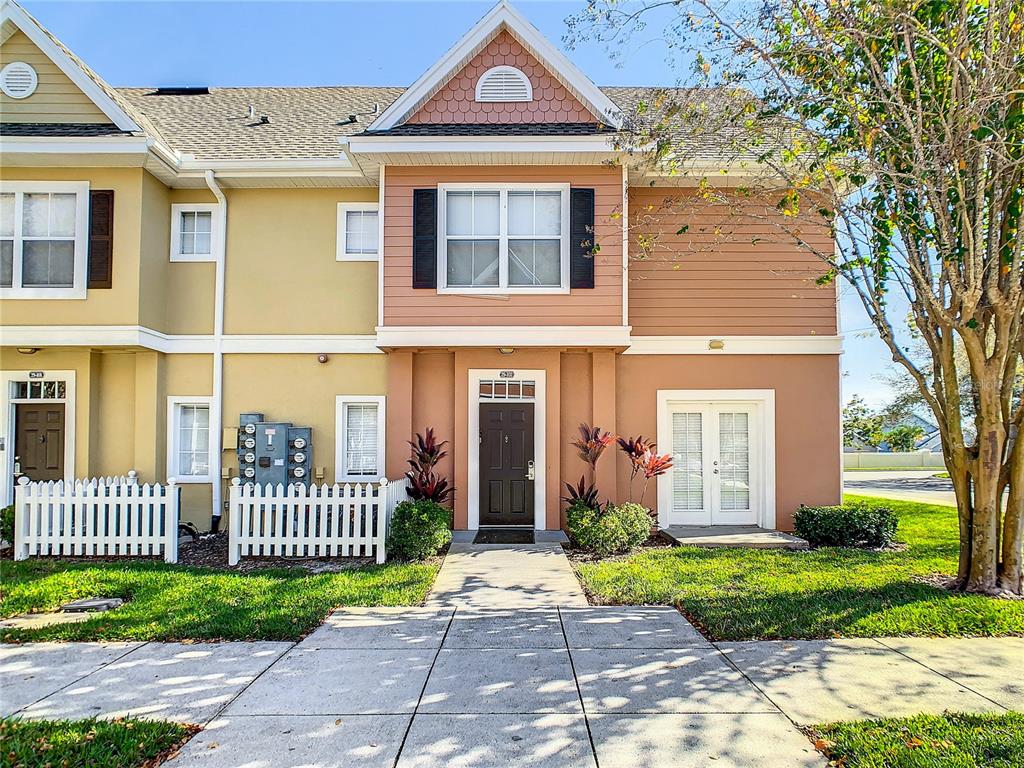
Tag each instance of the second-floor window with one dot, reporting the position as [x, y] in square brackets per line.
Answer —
[358, 232]
[43, 239]
[193, 231]
[510, 238]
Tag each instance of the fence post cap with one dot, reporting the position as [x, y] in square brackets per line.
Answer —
[172, 481]
[23, 480]
[236, 481]
[383, 481]
[132, 473]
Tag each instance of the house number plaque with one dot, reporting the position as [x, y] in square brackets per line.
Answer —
[507, 374]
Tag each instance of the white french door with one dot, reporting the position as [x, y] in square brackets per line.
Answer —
[715, 464]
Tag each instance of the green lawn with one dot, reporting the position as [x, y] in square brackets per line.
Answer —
[87, 743]
[168, 602]
[744, 594]
[927, 741]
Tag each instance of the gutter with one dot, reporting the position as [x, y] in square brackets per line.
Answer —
[216, 426]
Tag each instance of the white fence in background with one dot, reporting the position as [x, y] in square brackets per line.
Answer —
[909, 460]
[96, 517]
[341, 520]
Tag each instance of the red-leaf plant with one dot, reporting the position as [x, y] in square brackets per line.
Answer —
[654, 466]
[589, 445]
[636, 448]
[581, 492]
[423, 482]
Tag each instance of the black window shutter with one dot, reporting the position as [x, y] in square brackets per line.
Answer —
[424, 238]
[101, 238]
[581, 238]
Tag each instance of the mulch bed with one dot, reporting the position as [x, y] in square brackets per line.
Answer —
[211, 551]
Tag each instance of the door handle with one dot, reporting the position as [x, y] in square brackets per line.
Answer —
[531, 470]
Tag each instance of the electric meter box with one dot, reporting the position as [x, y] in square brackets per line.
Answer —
[273, 452]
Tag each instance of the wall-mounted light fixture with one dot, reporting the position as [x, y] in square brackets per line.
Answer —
[27, 350]
[716, 344]
[506, 350]
[322, 358]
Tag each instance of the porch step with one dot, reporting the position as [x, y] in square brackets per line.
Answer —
[749, 536]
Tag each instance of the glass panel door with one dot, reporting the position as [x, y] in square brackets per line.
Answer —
[690, 492]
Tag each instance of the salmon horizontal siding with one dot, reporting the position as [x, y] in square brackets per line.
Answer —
[710, 271]
[406, 306]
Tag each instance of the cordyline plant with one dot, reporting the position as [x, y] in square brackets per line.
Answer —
[894, 128]
[590, 445]
[643, 461]
[424, 483]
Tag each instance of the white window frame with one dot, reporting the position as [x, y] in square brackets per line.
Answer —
[343, 211]
[502, 288]
[174, 403]
[81, 239]
[341, 427]
[179, 208]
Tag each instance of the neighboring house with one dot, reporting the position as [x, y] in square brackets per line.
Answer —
[370, 262]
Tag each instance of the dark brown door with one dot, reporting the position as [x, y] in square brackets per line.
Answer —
[506, 464]
[39, 440]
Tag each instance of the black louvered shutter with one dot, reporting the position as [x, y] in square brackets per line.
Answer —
[101, 238]
[581, 238]
[424, 238]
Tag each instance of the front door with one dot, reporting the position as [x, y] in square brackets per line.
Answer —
[714, 480]
[39, 440]
[506, 464]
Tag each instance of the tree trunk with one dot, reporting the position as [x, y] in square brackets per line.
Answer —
[984, 571]
[1012, 577]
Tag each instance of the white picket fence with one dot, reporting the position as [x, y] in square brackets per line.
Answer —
[341, 520]
[96, 517]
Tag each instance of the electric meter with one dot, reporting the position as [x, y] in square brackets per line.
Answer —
[299, 457]
[249, 429]
[299, 472]
[249, 458]
[249, 442]
[250, 472]
[299, 442]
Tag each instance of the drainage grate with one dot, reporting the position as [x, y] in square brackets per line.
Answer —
[504, 536]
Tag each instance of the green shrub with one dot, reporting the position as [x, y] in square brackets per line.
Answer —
[850, 525]
[418, 530]
[609, 531]
[7, 524]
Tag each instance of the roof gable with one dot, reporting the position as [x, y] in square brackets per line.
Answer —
[456, 102]
[500, 19]
[14, 20]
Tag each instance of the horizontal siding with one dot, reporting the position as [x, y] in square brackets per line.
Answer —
[404, 306]
[726, 274]
[56, 100]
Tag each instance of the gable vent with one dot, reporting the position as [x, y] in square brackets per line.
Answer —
[18, 80]
[504, 84]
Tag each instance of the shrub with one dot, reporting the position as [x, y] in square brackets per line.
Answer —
[613, 530]
[418, 530]
[851, 525]
[7, 524]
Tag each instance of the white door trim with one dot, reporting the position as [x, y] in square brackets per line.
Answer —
[476, 375]
[7, 404]
[762, 443]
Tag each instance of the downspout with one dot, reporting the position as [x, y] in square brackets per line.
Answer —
[216, 427]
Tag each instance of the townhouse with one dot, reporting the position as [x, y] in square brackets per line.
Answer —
[180, 265]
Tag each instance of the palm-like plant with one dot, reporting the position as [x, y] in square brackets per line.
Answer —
[581, 493]
[654, 466]
[423, 482]
[635, 448]
[591, 443]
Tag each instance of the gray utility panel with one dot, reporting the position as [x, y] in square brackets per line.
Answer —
[273, 452]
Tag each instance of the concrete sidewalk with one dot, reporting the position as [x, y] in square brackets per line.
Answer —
[422, 687]
[504, 576]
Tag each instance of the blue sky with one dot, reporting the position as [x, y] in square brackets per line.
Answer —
[353, 43]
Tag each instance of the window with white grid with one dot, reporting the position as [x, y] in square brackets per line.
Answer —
[43, 239]
[360, 438]
[687, 462]
[193, 232]
[358, 232]
[188, 439]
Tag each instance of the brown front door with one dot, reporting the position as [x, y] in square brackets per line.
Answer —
[39, 440]
[506, 464]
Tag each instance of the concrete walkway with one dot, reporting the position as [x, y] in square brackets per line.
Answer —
[504, 576]
[418, 688]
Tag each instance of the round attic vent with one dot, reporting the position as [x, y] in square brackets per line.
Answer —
[504, 84]
[18, 80]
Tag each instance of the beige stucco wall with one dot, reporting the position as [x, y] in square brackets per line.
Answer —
[282, 275]
[118, 305]
[56, 99]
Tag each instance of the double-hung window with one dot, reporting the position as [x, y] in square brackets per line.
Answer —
[43, 239]
[188, 439]
[360, 438]
[505, 238]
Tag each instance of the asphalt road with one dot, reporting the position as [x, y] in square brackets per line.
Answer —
[905, 485]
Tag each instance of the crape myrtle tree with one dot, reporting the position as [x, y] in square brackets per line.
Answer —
[898, 126]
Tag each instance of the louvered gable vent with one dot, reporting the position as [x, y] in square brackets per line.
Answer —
[18, 80]
[504, 84]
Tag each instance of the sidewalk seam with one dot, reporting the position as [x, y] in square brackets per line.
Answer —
[579, 691]
[242, 690]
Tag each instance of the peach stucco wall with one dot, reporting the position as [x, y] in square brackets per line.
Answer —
[619, 393]
[405, 305]
[726, 273]
[456, 101]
